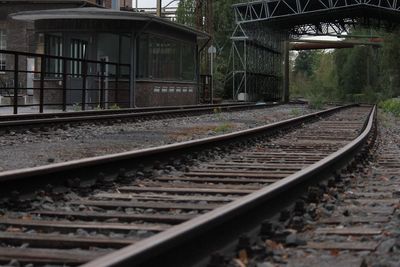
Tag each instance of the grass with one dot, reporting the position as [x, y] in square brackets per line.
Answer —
[316, 101]
[391, 106]
[217, 112]
[295, 112]
[114, 106]
[76, 107]
[223, 128]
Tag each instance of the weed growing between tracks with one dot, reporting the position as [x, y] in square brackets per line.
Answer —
[295, 112]
[223, 128]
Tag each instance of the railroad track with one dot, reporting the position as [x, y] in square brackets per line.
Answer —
[159, 201]
[352, 220]
[100, 116]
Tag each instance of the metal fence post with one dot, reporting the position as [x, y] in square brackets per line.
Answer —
[84, 74]
[64, 82]
[42, 74]
[102, 71]
[16, 70]
[116, 86]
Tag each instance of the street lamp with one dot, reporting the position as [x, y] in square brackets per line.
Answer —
[212, 51]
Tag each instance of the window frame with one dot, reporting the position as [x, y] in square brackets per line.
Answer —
[78, 50]
[3, 46]
[154, 55]
[53, 70]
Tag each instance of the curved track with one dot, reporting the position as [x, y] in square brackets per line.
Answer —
[159, 201]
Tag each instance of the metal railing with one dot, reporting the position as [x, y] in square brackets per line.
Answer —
[62, 83]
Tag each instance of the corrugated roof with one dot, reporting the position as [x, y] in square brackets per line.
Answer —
[101, 14]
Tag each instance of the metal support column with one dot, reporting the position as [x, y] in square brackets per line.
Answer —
[16, 82]
[42, 75]
[102, 87]
[64, 83]
[132, 75]
[84, 78]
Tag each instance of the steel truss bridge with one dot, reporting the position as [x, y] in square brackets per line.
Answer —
[264, 26]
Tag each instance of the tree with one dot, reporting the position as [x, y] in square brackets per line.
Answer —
[305, 62]
[223, 26]
[185, 12]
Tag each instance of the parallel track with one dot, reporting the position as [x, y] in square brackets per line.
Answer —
[45, 119]
[156, 210]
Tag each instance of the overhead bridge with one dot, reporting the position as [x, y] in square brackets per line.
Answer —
[291, 11]
[260, 42]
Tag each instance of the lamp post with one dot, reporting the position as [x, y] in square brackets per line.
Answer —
[159, 6]
[212, 51]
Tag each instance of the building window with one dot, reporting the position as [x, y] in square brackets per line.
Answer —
[100, 3]
[3, 46]
[78, 51]
[166, 59]
[188, 66]
[53, 46]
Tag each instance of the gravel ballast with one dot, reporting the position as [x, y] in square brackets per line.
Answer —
[69, 142]
[353, 220]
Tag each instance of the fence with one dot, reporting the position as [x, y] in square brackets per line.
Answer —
[54, 82]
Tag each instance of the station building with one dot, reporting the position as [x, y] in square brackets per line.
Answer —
[154, 61]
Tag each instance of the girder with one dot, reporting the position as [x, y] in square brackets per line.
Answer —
[309, 10]
[257, 67]
[256, 61]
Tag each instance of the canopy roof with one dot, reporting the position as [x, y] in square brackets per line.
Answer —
[94, 13]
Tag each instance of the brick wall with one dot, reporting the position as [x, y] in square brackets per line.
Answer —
[126, 3]
[148, 94]
[50, 96]
[123, 3]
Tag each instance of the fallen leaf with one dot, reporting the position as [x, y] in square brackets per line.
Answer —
[26, 218]
[384, 178]
[334, 252]
[243, 256]
[273, 245]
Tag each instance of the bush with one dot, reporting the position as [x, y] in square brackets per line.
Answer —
[316, 102]
[391, 106]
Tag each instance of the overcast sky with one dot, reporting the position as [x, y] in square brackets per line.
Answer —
[151, 3]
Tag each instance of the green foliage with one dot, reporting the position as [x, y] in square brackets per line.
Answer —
[295, 112]
[223, 128]
[114, 106]
[76, 107]
[217, 110]
[306, 62]
[362, 74]
[315, 79]
[98, 107]
[185, 12]
[316, 96]
[223, 27]
[391, 106]
[316, 101]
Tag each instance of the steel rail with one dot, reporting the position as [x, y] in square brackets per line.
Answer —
[28, 116]
[137, 254]
[125, 115]
[81, 164]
